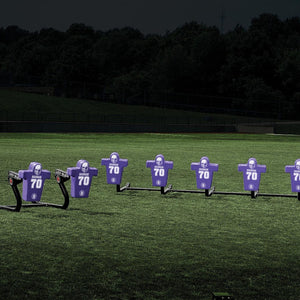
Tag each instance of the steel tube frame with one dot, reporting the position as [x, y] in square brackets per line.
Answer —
[163, 190]
[14, 180]
[207, 192]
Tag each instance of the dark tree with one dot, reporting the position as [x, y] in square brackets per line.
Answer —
[253, 68]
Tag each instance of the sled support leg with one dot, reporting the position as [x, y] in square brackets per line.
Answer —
[14, 180]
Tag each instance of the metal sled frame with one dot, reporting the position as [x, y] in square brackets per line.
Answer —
[207, 192]
[163, 190]
[252, 194]
[14, 180]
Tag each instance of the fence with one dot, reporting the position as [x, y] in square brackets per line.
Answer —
[155, 125]
[28, 121]
[77, 122]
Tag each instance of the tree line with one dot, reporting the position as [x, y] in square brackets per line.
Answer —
[255, 69]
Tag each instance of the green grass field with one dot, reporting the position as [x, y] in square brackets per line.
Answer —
[144, 245]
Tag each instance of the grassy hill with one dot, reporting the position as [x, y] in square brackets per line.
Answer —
[34, 112]
[26, 106]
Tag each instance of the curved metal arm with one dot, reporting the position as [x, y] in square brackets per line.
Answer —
[61, 177]
[14, 180]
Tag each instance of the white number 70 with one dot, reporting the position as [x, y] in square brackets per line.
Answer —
[296, 176]
[203, 174]
[36, 183]
[85, 180]
[251, 175]
[114, 169]
[159, 172]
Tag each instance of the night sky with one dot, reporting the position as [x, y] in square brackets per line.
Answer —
[149, 16]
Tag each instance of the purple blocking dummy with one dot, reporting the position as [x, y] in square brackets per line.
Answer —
[81, 179]
[204, 172]
[295, 175]
[159, 170]
[33, 181]
[252, 173]
[114, 168]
